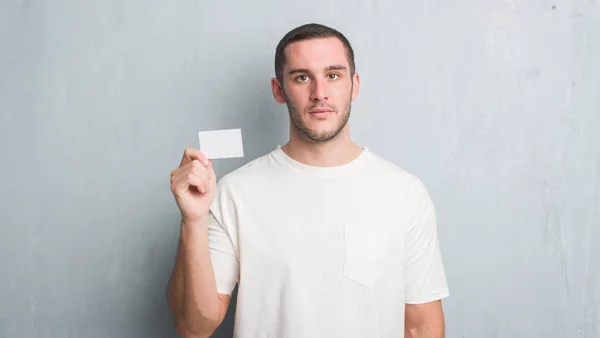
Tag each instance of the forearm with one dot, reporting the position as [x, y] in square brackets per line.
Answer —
[193, 297]
[424, 320]
[424, 332]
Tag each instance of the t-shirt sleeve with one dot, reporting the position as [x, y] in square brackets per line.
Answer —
[222, 242]
[425, 278]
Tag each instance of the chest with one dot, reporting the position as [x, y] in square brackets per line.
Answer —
[325, 231]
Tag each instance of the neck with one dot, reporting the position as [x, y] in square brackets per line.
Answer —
[335, 152]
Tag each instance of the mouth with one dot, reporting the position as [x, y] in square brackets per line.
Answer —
[320, 112]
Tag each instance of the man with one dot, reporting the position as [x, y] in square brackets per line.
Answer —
[325, 238]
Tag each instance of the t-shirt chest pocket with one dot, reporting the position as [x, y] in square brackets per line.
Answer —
[366, 253]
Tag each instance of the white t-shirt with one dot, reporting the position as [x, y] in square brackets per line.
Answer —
[324, 252]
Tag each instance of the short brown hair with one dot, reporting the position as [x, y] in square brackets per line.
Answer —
[305, 32]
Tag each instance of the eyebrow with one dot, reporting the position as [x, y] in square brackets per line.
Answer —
[330, 68]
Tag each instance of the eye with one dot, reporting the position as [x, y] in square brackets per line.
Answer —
[302, 78]
[333, 76]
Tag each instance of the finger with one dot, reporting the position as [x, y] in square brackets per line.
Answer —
[194, 165]
[181, 172]
[200, 170]
[189, 165]
[183, 181]
[203, 173]
[194, 180]
[211, 183]
[210, 169]
[191, 154]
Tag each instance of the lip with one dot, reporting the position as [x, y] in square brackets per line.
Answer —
[320, 111]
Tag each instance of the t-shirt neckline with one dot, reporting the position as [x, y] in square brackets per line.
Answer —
[324, 172]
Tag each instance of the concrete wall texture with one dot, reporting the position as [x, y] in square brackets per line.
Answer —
[494, 104]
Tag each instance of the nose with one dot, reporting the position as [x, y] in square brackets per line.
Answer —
[318, 91]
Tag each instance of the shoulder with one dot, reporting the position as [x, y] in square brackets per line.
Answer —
[394, 174]
[254, 170]
[399, 185]
[235, 185]
[405, 189]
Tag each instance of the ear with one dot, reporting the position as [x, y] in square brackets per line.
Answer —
[277, 90]
[355, 85]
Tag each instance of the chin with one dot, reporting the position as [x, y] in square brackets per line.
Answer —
[321, 131]
[321, 135]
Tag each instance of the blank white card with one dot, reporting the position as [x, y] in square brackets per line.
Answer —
[225, 143]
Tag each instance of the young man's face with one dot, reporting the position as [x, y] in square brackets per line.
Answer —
[317, 87]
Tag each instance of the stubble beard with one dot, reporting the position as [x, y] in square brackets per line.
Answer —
[310, 135]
